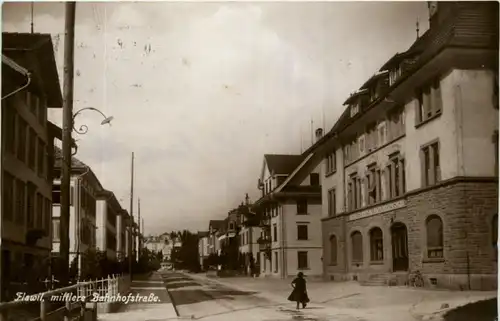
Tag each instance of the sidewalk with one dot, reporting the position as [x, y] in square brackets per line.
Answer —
[372, 302]
[144, 286]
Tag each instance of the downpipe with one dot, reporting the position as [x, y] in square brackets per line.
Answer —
[28, 82]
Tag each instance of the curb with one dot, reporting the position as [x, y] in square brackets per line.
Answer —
[171, 297]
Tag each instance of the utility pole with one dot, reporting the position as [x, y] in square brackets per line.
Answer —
[131, 221]
[139, 222]
[69, 41]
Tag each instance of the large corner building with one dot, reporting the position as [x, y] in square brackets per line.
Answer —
[410, 173]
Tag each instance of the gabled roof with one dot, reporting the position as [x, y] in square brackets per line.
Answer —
[75, 162]
[281, 164]
[216, 224]
[35, 52]
[77, 167]
[203, 234]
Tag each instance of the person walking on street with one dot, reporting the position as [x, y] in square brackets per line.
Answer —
[299, 293]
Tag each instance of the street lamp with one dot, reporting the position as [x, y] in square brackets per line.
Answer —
[83, 129]
[68, 126]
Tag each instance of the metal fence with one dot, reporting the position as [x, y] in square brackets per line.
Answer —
[72, 303]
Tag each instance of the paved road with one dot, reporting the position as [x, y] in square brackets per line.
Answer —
[145, 286]
[211, 301]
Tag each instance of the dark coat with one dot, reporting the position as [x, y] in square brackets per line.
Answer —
[299, 293]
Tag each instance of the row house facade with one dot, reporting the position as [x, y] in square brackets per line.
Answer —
[107, 233]
[30, 85]
[290, 208]
[410, 170]
[85, 188]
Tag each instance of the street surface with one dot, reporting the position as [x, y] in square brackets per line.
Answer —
[204, 300]
[197, 297]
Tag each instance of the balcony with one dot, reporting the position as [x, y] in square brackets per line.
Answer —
[264, 243]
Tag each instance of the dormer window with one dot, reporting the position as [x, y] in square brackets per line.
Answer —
[394, 75]
[354, 109]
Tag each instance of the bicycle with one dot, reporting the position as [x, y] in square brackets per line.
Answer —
[416, 279]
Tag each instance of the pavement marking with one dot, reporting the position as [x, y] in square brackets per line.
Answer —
[147, 288]
[151, 282]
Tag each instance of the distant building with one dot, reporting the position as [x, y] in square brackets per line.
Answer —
[291, 209]
[214, 227]
[161, 243]
[203, 249]
[410, 174]
[30, 85]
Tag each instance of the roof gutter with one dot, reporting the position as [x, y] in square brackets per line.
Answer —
[11, 63]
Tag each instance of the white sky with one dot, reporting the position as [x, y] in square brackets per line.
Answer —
[200, 91]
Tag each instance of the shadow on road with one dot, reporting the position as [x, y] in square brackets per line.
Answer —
[183, 297]
[176, 279]
[485, 310]
[178, 285]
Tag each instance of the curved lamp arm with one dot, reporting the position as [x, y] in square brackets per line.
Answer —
[83, 129]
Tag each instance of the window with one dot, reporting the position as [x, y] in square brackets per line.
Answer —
[39, 211]
[20, 202]
[31, 205]
[314, 179]
[21, 139]
[374, 185]
[41, 158]
[394, 75]
[32, 148]
[9, 125]
[32, 102]
[431, 173]
[395, 177]
[361, 143]
[382, 129]
[302, 233]
[55, 229]
[494, 236]
[354, 109]
[333, 250]
[354, 192]
[395, 120]
[275, 262]
[376, 245]
[371, 137]
[429, 101]
[56, 194]
[302, 261]
[332, 202]
[331, 163]
[434, 228]
[48, 215]
[41, 112]
[302, 207]
[231, 226]
[357, 247]
[8, 196]
[275, 233]
[495, 143]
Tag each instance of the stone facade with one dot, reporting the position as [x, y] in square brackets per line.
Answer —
[467, 208]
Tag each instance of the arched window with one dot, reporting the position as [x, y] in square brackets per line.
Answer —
[434, 227]
[333, 250]
[357, 247]
[376, 244]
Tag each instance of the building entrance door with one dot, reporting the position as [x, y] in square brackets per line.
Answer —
[399, 236]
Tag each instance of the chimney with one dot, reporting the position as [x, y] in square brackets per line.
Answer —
[319, 133]
[247, 199]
